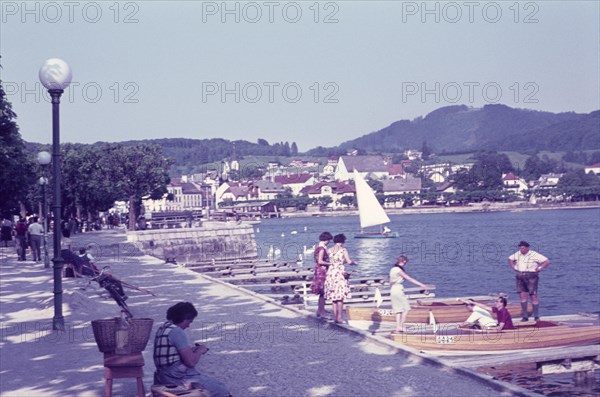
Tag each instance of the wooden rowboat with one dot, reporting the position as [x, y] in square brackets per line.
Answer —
[542, 334]
[443, 313]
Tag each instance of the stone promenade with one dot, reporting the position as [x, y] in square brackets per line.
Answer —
[257, 347]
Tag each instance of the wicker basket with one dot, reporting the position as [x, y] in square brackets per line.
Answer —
[105, 334]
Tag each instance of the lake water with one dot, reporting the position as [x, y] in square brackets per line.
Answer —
[466, 253]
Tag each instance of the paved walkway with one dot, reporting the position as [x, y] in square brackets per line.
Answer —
[258, 348]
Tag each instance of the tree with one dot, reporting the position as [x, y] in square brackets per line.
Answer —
[16, 167]
[348, 201]
[426, 152]
[486, 174]
[294, 149]
[85, 186]
[136, 172]
[595, 158]
[536, 167]
[376, 185]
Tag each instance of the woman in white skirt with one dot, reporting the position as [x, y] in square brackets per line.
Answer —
[400, 305]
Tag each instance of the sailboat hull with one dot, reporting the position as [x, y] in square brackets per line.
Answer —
[377, 235]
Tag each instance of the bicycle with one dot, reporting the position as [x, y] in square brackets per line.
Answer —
[114, 288]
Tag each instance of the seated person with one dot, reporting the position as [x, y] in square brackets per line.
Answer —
[386, 230]
[503, 317]
[479, 318]
[175, 356]
[68, 258]
[85, 264]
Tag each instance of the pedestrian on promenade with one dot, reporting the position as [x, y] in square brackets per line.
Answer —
[6, 228]
[175, 356]
[336, 283]
[528, 264]
[36, 232]
[321, 264]
[21, 237]
[400, 304]
[503, 317]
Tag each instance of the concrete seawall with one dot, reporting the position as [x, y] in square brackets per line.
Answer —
[221, 241]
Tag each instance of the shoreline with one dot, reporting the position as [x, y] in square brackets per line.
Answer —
[471, 208]
[249, 336]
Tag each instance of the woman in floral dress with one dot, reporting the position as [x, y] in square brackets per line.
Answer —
[321, 265]
[336, 284]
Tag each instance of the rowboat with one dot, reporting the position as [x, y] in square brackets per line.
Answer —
[541, 334]
[419, 313]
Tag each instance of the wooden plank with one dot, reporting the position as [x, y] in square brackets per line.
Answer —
[241, 265]
[270, 276]
[252, 270]
[523, 356]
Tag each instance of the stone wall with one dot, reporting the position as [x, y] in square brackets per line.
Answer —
[218, 241]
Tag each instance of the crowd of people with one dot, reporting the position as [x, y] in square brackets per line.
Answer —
[330, 282]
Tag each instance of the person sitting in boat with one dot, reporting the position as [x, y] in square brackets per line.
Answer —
[480, 318]
[503, 317]
[386, 230]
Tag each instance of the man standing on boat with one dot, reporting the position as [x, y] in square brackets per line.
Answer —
[528, 264]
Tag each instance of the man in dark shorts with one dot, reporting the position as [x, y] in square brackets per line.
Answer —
[528, 264]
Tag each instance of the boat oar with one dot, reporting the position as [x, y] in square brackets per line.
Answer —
[144, 290]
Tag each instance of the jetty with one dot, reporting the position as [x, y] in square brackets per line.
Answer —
[288, 283]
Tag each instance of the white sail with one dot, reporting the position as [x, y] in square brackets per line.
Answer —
[370, 212]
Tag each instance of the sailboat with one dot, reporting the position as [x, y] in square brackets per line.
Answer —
[370, 212]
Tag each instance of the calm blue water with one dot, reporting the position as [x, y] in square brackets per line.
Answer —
[466, 253]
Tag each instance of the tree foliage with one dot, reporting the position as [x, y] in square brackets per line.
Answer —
[136, 172]
[536, 167]
[486, 174]
[16, 166]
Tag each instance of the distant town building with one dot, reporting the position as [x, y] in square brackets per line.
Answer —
[295, 182]
[413, 154]
[594, 168]
[335, 190]
[329, 168]
[265, 190]
[375, 167]
[515, 184]
[548, 181]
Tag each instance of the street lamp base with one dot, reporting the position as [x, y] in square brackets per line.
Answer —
[58, 323]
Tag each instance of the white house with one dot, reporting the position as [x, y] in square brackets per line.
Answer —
[265, 190]
[595, 168]
[371, 166]
[400, 186]
[335, 190]
[295, 182]
[513, 183]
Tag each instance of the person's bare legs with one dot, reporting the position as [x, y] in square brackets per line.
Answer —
[321, 307]
[338, 308]
[403, 320]
[398, 322]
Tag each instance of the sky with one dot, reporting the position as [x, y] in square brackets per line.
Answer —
[314, 73]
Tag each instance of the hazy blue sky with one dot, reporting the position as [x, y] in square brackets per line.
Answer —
[316, 73]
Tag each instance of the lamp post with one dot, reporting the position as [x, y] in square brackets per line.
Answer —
[43, 159]
[55, 75]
